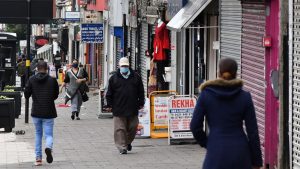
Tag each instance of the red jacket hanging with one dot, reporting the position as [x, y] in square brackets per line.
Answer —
[161, 42]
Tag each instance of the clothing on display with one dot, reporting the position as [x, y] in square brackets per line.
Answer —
[161, 42]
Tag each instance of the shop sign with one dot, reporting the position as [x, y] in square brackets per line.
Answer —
[41, 41]
[58, 21]
[161, 111]
[143, 129]
[92, 33]
[72, 16]
[180, 115]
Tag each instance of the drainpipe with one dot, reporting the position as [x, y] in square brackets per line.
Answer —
[138, 39]
[283, 128]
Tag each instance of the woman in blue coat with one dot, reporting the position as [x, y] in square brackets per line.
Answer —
[225, 105]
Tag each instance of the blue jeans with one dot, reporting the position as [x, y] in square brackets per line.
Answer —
[41, 125]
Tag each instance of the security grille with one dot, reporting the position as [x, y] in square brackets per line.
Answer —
[101, 61]
[253, 60]
[143, 59]
[296, 86]
[133, 46]
[231, 26]
[118, 50]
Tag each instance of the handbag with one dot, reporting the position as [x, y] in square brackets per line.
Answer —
[152, 77]
[84, 97]
[84, 88]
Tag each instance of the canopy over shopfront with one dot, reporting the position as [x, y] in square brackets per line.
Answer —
[44, 48]
[187, 14]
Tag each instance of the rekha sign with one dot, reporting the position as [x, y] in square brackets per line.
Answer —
[180, 116]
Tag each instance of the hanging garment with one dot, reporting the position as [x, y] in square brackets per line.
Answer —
[161, 42]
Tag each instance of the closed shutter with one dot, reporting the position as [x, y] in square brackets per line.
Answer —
[143, 59]
[128, 43]
[231, 26]
[253, 60]
[118, 50]
[133, 46]
[295, 66]
[101, 62]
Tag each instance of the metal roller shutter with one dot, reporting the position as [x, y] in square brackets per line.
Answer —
[231, 26]
[118, 50]
[133, 46]
[253, 60]
[295, 133]
[101, 64]
[144, 47]
[128, 42]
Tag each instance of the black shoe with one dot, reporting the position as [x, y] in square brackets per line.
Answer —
[73, 116]
[49, 155]
[123, 151]
[129, 147]
[77, 118]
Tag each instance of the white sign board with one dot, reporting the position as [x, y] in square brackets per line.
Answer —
[161, 111]
[72, 16]
[143, 129]
[180, 115]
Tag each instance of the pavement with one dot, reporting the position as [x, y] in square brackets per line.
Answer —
[88, 143]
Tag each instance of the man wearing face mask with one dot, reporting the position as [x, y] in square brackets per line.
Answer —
[125, 96]
[74, 77]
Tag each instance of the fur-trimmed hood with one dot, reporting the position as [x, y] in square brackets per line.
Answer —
[223, 88]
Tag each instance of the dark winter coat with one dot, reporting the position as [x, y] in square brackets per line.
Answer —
[125, 96]
[225, 105]
[44, 90]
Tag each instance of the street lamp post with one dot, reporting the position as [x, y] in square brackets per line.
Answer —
[28, 58]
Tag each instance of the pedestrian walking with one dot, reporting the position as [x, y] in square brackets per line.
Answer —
[225, 106]
[21, 70]
[75, 77]
[44, 90]
[57, 62]
[125, 96]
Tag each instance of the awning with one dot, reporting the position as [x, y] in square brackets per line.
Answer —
[44, 48]
[187, 14]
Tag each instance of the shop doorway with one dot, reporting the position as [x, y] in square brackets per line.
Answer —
[212, 43]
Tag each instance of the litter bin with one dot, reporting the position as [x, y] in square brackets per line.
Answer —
[7, 114]
[16, 95]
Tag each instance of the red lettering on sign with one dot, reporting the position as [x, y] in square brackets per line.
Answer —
[183, 103]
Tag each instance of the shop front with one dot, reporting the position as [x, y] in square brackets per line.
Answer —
[194, 45]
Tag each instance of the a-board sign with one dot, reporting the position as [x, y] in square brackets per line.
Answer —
[180, 115]
[143, 129]
[161, 111]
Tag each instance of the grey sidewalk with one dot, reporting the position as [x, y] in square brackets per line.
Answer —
[88, 143]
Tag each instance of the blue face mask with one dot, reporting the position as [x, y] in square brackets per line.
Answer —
[124, 70]
[75, 65]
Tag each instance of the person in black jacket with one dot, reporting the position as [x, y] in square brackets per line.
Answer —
[125, 95]
[44, 90]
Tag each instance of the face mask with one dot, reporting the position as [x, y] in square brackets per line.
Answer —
[75, 65]
[124, 70]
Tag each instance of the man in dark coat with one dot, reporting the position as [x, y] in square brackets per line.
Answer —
[226, 107]
[44, 90]
[125, 95]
